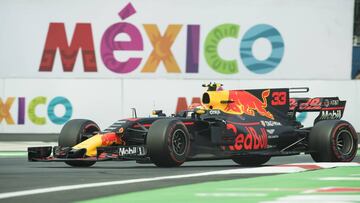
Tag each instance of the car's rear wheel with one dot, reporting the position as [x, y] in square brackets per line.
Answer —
[168, 143]
[333, 141]
[74, 132]
[255, 160]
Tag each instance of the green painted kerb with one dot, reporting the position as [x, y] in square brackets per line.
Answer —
[267, 188]
[12, 154]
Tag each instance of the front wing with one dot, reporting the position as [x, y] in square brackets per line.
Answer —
[138, 153]
[110, 153]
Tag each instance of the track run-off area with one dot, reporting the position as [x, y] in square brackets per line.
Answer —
[282, 179]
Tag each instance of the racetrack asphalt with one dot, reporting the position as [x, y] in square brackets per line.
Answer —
[16, 174]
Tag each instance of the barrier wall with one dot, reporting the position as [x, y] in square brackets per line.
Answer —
[106, 100]
[95, 59]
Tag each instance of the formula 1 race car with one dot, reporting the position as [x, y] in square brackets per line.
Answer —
[247, 126]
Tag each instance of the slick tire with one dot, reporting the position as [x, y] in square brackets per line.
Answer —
[333, 141]
[168, 143]
[74, 132]
[251, 160]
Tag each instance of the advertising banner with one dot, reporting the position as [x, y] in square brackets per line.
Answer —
[44, 106]
[203, 39]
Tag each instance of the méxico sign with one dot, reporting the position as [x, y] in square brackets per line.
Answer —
[56, 42]
[198, 40]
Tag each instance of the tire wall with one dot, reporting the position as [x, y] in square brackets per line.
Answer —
[228, 42]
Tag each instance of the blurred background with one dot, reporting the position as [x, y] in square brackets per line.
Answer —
[62, 60]
[356, 48]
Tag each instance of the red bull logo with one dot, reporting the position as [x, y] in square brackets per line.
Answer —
[243, 102]
[110, 139]
[252, 140]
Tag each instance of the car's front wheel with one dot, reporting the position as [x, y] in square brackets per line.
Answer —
[74, 132]
[168, 142]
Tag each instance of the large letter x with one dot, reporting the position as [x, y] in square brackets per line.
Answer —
[161, 51]
[5, 110]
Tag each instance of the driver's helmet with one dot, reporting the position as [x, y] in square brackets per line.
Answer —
[196, 107]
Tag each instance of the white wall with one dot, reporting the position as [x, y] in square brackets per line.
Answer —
[316, 35]
[106, 100]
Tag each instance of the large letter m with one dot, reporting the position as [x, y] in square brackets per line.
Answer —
[56, 39]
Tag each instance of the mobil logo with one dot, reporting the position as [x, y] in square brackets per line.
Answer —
[50, 110]
[161, 43]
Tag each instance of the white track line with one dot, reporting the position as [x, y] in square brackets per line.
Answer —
[259, 170]
[329, 164]
[256, 170]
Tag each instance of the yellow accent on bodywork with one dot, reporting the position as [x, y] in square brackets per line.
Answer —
[215, 99]
[90, 145]
[200, 111]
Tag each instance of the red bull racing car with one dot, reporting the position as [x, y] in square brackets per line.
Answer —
[247, 126]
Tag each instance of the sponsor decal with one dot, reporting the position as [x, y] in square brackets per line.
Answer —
[253, 140]
[292, 104]
[330, 102]
[315, 104]
[214, 112]
[273, 136]
[270, 131]
[327, 115]
[124, 151]
[243, 102]
[311, 104]
[8, 105]
[334, 102]
[326, 103]
[82, 41]
[270, 123]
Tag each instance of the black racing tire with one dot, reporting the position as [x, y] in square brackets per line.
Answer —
[333, 141]
[254, 160]
[74, 132]
[168, 143]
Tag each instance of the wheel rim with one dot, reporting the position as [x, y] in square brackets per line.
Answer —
[179, 142]
[344, 142]
[88, 131]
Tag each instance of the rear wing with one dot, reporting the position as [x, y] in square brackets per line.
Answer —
[329, 108]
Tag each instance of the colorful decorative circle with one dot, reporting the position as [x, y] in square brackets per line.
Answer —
[277, 52]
